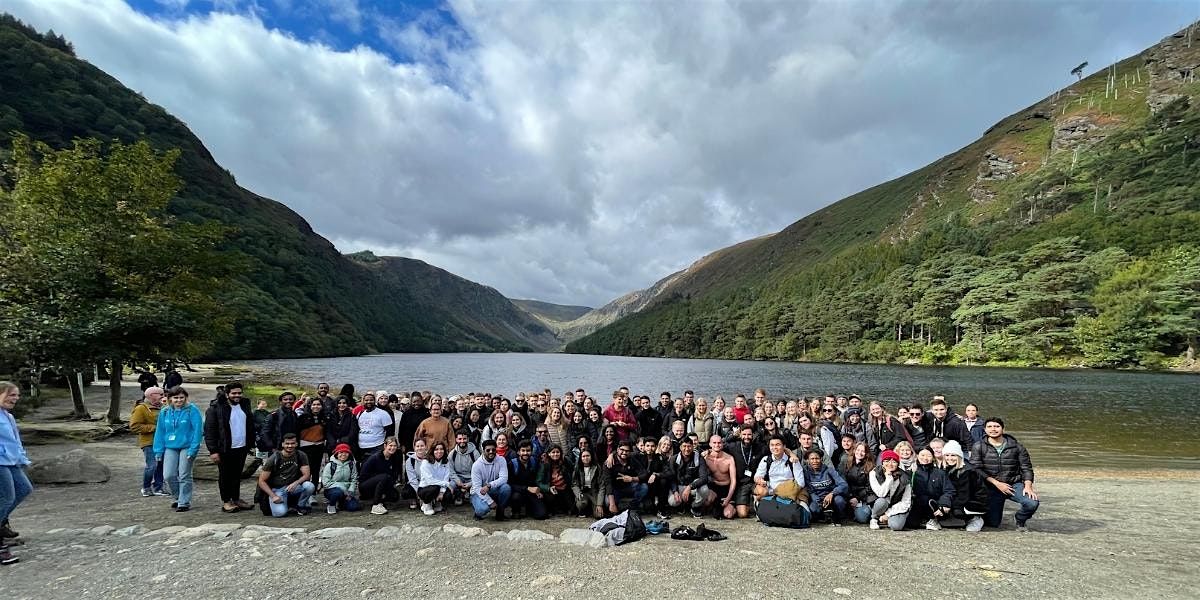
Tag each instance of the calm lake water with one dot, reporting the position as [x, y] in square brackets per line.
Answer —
[1066, 418]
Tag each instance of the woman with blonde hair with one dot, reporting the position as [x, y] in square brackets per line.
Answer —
[556, 427]
[702, 421]
[14, 485]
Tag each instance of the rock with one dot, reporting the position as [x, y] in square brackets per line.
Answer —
[388, 532]
[55, 531]
[336, 532]
[583, 537]
[255, 553]
[102, 530]
[424, 551]
[76, 466]
[266, 530]
[842, 591]
[159, 578]
[366, 592]
[459, 530]
[217, 535]
[171, 530]
[132, 530]
[219, 527]
[528, 535]
[1077, 131]
[546, 580]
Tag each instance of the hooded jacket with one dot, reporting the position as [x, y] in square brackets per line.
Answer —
[412, 469]
[439, 474]
[950, 428]
[930, 483]
[461, 461]
[693, 471]
[179, 429]
[341, 475]
[490, 473]
[378, 464]
[596, 485]
[970, 490]
[823, 482]
[1010, 465]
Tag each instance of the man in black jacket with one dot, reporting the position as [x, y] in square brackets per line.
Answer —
[410, 420]
[650, 422]
[281, 422]
[689, 474]
[947, 425]
[1005, 464]
[626, 479]
[229, 434]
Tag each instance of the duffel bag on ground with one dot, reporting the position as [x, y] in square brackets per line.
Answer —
[774, 511]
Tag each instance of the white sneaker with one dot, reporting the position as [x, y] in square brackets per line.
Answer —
[146, 493]
[427, 509]
[874, 522]
[975, 524]
[379, 509]
[331, 509]
[933, 525]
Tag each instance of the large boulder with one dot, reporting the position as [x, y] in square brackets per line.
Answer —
[76, 466]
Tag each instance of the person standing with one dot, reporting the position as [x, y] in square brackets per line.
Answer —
[373, 427]
[229, 435]
[177, 440]
[147, 379]
[618, 415]
[142, 421]
[1006, 466]
[281, 422]
[14, 485]
[435, 429]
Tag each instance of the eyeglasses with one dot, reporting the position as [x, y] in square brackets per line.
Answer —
[541, 431]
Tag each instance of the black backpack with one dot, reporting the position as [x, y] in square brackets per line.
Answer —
[774, 511]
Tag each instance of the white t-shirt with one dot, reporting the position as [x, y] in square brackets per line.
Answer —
[237, 427]
[372, 427]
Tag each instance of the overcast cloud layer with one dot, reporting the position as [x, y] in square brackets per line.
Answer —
[575, 151]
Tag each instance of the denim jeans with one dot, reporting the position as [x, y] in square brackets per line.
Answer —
[894, 522]
[152, 475]
[303, 495]
[14, 487]
[837, 505]
[636, 491]
[995, 508]
[177, 470]
[499, 494]
[339, 498]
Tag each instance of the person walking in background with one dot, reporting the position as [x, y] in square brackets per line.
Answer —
[147, 379]
[229, 436]
[143, 421]
[177, 440]
[14, 485]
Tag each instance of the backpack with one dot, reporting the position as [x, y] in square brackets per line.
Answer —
[775, 511]
[624, 528]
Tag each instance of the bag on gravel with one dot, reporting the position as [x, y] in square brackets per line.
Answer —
[774, 511]
[622, 529]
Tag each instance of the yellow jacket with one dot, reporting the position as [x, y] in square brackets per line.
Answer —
[142, 422]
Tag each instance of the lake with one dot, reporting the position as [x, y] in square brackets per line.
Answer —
[1095, 419]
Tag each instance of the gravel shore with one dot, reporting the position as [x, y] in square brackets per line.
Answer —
[1097, 535]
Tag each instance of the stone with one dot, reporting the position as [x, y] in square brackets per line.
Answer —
[388, 532]
[159, 578]
[132, 530]
[217, 535]
[171, 530]
[267, 530]
[583, 537]
[546, 580]
[528, 535]
[337, 532]
[219, 527]
[102, 530]
[462, 531]
[255, 553]
[842, 591]
[55, 531]
[366, 592]
[76, 466]
[424, 551]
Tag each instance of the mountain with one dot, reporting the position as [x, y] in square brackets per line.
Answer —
[298, 295]
[551, 313]
[1028, 246]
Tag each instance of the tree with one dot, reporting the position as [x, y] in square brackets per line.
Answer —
[95, 269]
[1178, 299]
[1078, 71]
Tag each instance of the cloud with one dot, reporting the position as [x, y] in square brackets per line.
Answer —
[575, 151]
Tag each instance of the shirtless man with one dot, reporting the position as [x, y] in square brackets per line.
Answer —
[723, 480]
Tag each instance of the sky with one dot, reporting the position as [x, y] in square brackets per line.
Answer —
[574, 151]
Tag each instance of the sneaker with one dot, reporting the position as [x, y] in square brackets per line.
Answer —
[412, 505]
[427, 509]
[379, 509]
[174, 505]
[437, 507]
[146, 493]
[160, 493]
[182, 508]
[874, 523]
[7, 558]
[696, 514]
[975, 524]
[933, 525]
[331, 510]
[303, 511]
[6, 530]
[1022, 528]
[661, 516]
[458, 501]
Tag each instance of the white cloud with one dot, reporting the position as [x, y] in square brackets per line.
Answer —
[575, 151]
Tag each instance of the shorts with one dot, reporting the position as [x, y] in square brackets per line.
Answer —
[744, 494]
[720, 490]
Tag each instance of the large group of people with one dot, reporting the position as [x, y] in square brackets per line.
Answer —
[539, 455]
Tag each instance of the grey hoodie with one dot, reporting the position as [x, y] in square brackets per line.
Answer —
[461, 461]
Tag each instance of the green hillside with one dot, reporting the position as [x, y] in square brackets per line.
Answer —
[1069, 233]
[297, 295]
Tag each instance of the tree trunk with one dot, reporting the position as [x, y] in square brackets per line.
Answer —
[114, 392]
[75, 382]
[1191, 350]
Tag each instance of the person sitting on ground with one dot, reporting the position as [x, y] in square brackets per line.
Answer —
[892, 491]
[1006, 466]
[970, 490]
[590, 485]
[722, 476]
[747, 452]
[527, 497]
[489, 483]
[626, 479]
[933, 494]
[437, 479]
[689, 478]
[379, 474]
[554, 479]
[284, 478]
[142, 421]
[412, 472]
[177, 437]
[826, 488]
[775, 468]
[339, 481]
[462, 459]
[858, 482]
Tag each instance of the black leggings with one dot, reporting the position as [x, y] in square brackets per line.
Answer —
[229, 474]
[428, 493]
[314, 454]
[379, 488]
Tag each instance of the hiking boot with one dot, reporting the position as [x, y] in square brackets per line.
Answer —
[379, 509]
[975, 524]
[1021, 527]
[331, 510]
[874, 523]
[933, 525]
[146, 493]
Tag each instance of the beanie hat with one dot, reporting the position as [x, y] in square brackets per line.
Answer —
[891, 455]
[341, 448]
[953, 447]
